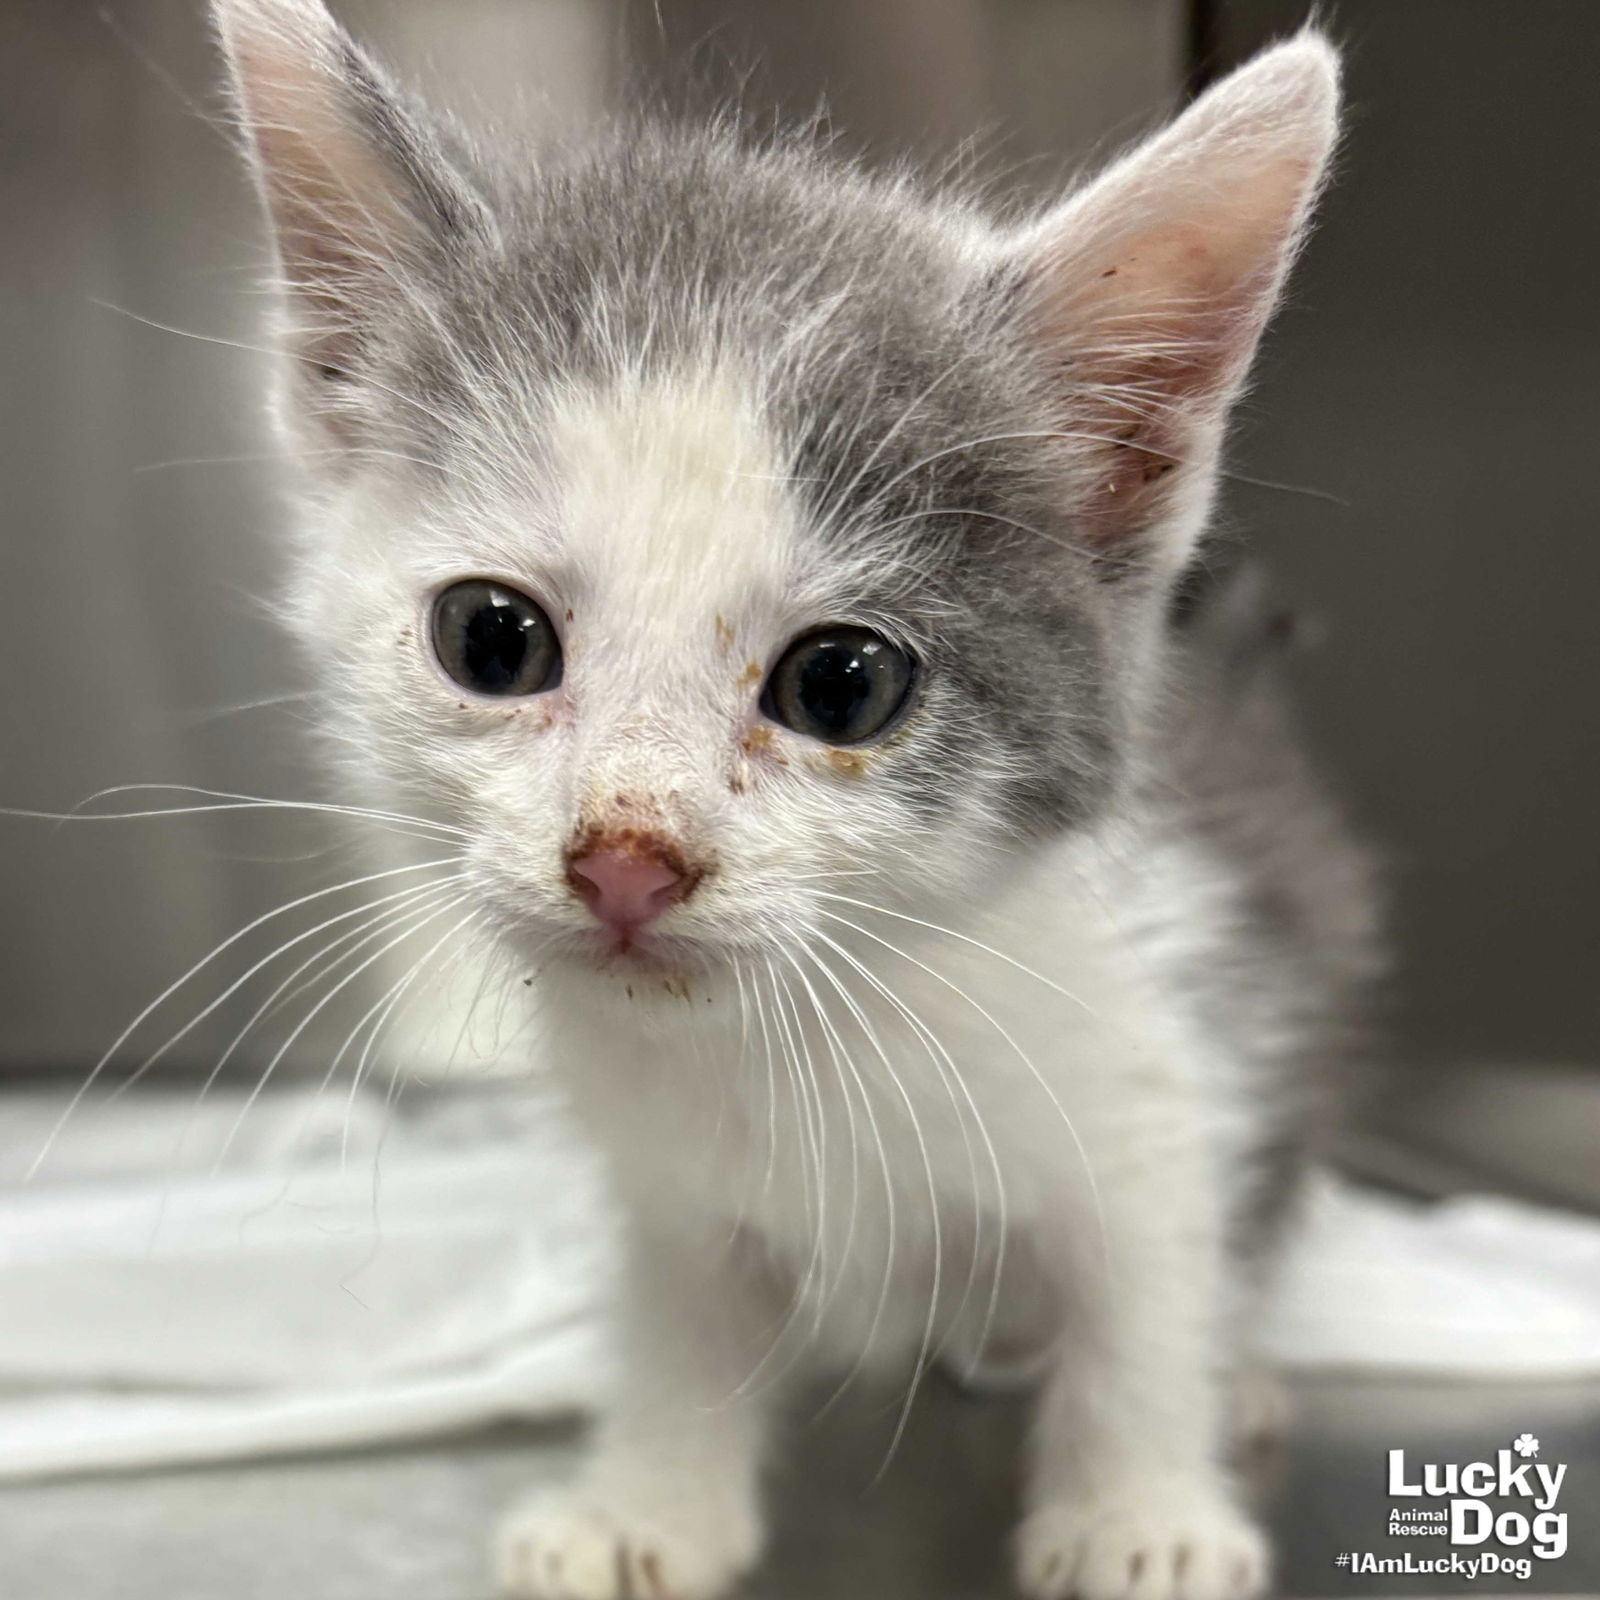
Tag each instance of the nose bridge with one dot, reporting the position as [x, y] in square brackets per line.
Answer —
[637, 774]
[675, 493]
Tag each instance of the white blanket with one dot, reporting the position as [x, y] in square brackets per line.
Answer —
[443, 1266]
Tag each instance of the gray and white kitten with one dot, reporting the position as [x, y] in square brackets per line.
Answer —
[768, 571]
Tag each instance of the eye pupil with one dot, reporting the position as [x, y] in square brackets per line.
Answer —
[833, 684]
[843, 685]
[494, 645]
[495, 641]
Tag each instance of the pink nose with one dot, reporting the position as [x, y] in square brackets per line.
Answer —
[626, 887]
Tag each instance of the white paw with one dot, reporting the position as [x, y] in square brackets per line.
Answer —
[1166, 1544]
[577, 1546]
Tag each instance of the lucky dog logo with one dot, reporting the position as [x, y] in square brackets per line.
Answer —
[1461, 1511]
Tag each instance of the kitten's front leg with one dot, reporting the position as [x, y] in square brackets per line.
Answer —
[669, 1503]
[1129, 1496]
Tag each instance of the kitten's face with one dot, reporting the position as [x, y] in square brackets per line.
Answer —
[709, 533]
[754, 615]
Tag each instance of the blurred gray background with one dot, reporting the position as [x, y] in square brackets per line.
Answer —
[1427, 395]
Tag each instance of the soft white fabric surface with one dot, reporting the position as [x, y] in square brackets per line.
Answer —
[442, 1264]
[1475, 1287]
[419, 1273]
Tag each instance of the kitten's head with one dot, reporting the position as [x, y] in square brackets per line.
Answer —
[707, 531]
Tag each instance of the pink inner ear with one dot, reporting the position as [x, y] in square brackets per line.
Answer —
[1145, 294]
[1149, 335]
[1118, 405]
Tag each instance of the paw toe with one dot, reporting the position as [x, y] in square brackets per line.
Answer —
[561, 1548]
[1141, 1547]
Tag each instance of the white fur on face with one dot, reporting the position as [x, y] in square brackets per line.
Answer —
[674, 503]
[662, 533]
[679, 536]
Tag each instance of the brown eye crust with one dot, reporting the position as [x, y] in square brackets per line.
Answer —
[494, 640]
[843, 685]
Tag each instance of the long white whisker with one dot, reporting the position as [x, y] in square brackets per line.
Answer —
[233, 802]
[401, 830]
[745, 1071]
[205, 961]
[1022, 1055]
[466, 1021]
[810, 1171]
[950, 1074]
[835, 1051]
[215, 713]
[283, 1049]
[806, 1082]
[976, 944]
[374, 929]
[385, 1008]
[772, 1084]
[375, 914]
[810, 1165]
[934, 1221]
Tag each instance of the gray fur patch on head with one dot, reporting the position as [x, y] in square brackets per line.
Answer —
[877, 342]
[1003, 440]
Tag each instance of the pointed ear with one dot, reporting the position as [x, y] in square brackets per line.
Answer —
[356, 191]
[1144, 295]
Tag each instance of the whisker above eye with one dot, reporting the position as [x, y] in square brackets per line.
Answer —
[276, 352]
[988, 516]
[267, 457]
[907, 414]
[881, 494]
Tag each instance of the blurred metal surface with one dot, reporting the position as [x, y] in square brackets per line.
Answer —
[415, 1524]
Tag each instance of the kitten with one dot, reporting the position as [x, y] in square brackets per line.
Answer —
[770, 570]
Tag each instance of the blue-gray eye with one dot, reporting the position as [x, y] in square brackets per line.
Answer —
[842, 685]
[493, 640]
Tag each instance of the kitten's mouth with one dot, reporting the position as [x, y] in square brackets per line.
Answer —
[628, 944]
[634, 951]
